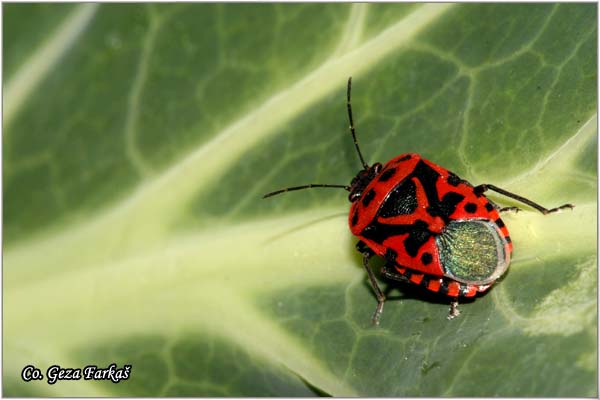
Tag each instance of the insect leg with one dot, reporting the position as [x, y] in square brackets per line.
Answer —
[378, 293]
[389, 272]
[503, 209]
[454, 311]
[543, 210]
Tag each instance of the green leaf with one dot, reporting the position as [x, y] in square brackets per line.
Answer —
[139, 139]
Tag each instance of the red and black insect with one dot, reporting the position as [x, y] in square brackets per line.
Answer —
[433, 228]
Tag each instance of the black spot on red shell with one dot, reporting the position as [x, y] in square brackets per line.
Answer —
[432, 211]
[426, 258]
[391, 255]
[500, 223]
[508, 239]
[406, 157]
[428, 178]
[454, 180]
[417, 238]
[448, 204]
[355, 217]
[489, 206]
[387, 175]
[368, 197]
[471, 207]
[402, 200]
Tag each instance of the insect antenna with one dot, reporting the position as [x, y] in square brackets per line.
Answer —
[309, 186]
[352, 131]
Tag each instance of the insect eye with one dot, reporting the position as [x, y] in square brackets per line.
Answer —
[353, 196]
[377, 167]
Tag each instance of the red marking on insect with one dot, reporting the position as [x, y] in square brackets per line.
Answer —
[433, 228]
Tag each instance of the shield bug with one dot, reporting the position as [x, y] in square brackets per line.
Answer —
[433, 228]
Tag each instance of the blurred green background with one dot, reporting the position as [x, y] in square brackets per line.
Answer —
[139, 139]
